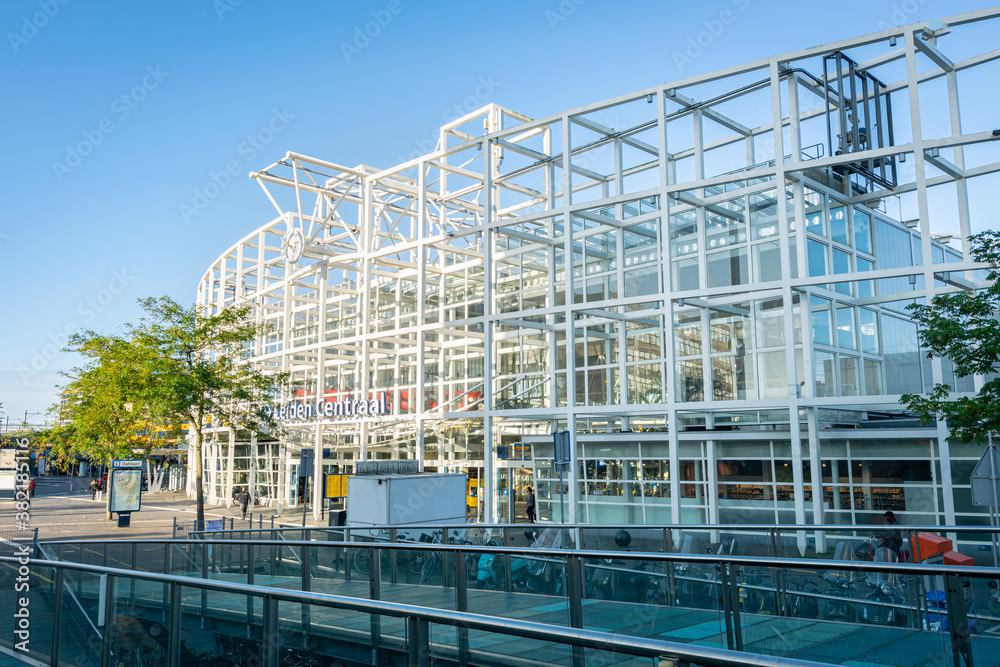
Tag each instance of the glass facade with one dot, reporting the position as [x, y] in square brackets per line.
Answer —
[721, 327]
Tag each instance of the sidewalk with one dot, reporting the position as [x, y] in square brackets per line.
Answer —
[63, 510]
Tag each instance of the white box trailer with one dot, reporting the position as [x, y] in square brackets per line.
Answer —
[393, 500]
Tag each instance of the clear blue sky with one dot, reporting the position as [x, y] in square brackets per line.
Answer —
[164, 94]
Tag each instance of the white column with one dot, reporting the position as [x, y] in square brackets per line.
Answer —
[919, 162]
[572, 475]
[319, 485]
[230, 473]
[281, 492]
[252, 469]
[816, 461]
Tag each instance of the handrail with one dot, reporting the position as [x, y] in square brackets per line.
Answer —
[69, 589]
[669, 557]
[785, 528]
[700, 655]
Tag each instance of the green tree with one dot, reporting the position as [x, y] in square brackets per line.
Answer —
[112, 406]
[963, 327]
[199, 364]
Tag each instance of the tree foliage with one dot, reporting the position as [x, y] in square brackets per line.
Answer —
[110, 404]
[201, 372]
[177, 365]
[963, 327]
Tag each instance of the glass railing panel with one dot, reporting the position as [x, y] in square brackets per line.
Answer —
[333, 572]
[136, 627]
[294, 623]
[286, 573]
[209, 622]
[119, 554]
[699, 603]
[982, 607]
[499, 649]
[26, 606]
[843, 616]
[79, 633]
[92, 553]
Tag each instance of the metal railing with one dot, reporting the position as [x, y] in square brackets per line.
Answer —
[123, 618]
[945, 611]
[812, 541]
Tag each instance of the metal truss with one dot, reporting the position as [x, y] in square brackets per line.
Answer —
[601, 268]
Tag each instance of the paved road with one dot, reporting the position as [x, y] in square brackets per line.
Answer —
[62, 509]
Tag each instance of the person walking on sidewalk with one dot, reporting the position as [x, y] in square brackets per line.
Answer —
[92, 489]
[530, 505]
[244, 500]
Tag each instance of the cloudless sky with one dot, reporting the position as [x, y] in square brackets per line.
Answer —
[161, 95]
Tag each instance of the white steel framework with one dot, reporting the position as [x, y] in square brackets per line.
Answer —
[716, 263]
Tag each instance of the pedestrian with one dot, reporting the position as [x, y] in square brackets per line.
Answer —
[530, 506]
[93, 488]
[244, 500]
[892, 538]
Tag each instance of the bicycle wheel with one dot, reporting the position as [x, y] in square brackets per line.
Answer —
[429, 568]
[359, 561]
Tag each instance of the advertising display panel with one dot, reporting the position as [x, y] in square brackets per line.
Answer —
[126, 489]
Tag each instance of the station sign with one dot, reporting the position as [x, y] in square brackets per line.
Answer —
[347, 407]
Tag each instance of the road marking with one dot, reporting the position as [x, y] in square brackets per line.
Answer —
[144, 506]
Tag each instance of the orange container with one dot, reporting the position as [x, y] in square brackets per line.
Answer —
[955, 558]
[932, 545]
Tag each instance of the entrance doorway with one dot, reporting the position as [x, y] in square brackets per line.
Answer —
[512, 492]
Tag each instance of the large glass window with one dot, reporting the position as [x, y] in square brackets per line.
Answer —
[902, 356]
[770, 323]
[815, 220]
[842, 264]
[773, 374]
[838, 225]
[817, 258]
[873, 378]
[850, 376]
[728, 268]
[821, 320]
[685, 274]
[690, 380]
[868, 327]
[643, 281]
[862, 231]
[687, 333]
[866, 288]
[825, 373]
[767, 261]
[845, 328]
[763, 215]
[645, 383]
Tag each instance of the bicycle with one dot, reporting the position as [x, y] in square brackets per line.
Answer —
[801, 605]
[361, 564]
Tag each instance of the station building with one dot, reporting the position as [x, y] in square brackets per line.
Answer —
[704, 282]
